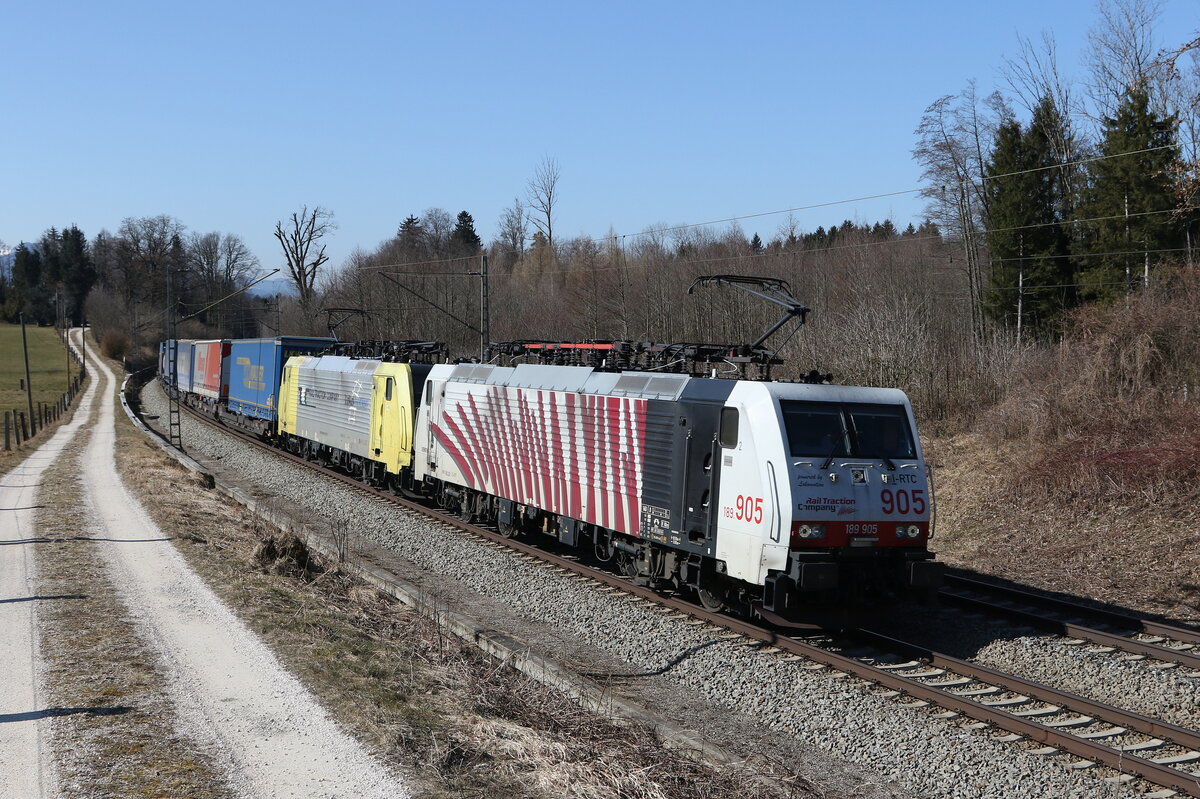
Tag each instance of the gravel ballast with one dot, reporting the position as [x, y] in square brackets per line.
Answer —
[790, 711]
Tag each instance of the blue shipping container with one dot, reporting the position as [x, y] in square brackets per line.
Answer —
[184, 350]
[256, 367]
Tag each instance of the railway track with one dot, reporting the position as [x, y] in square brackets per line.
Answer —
[1085, 732]
[1107, 629]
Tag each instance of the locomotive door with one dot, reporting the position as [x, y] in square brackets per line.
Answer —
[426, 445]
[385, 421]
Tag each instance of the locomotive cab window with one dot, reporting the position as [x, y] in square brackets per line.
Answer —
[882, 431]
[831, 429]
[387, 394]
[729, 427]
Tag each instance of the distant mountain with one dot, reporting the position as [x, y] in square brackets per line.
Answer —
[276, 285]
[7, 256]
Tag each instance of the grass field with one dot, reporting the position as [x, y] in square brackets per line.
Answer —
[47, 366]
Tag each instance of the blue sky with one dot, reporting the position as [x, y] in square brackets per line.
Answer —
[229, 116]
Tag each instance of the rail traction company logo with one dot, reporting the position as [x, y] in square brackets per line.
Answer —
[839, 505]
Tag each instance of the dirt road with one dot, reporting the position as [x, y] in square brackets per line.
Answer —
[227, 689]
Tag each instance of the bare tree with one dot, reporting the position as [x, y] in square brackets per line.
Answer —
[238, 263]
[1184, 88]
[147, 247]
[204, 257]
[222, 263]
[542, 195]
[954, 141]
[1122, 55]
[514, 229]
[1034, 76]
[302, 233]
[438, 224]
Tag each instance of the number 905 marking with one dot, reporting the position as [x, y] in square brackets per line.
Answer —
[903, 501]
[746, 509]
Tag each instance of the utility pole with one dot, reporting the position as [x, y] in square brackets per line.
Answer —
[485, 315]
[1128, 274]
[1020, 289]
[28, 385]
[1146, 265]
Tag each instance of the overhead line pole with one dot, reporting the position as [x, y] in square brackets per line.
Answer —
[485, 315]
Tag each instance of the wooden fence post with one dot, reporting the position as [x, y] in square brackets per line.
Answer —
[24, 435]
[7, 437]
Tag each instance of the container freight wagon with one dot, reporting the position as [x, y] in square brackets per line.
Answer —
[254, 372]
[184, 352]
[210, 371]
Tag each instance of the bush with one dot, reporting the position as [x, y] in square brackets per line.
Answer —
[114, 344]
[1110, 413]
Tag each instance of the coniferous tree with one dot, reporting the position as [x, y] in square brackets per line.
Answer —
[67, 267]
[1031, 271]
[412, 238]
[27, 294]
[1129, 199]
[756, 244]
[463, 239]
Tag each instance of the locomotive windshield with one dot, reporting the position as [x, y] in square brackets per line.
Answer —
[832, 429]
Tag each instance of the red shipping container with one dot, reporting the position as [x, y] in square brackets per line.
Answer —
[206, 369]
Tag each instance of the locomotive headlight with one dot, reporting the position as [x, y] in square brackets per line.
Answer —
[913, 531]
[909, 531]
[810, 531]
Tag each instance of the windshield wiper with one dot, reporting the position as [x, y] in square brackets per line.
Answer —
[832, 452]
[891, 467]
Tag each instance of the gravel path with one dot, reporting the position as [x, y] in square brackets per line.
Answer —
[25, 765]
[819, 713]
[229, 689]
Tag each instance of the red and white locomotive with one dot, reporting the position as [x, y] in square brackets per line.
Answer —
[778, 496]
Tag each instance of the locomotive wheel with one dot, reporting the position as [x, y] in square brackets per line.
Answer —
[711, 600]
[627, 565]
[508, 530]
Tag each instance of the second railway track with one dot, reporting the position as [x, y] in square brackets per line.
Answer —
[1118, 631]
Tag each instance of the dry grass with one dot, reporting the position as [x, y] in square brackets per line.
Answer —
[11, 458]
[1086, 478]
[1098, 538]
[115, 734]
[457, 721]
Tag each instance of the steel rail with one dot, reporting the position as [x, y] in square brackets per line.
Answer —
[1123, 620]
[1115, 640]
[1121, 761]
[1043, 693]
